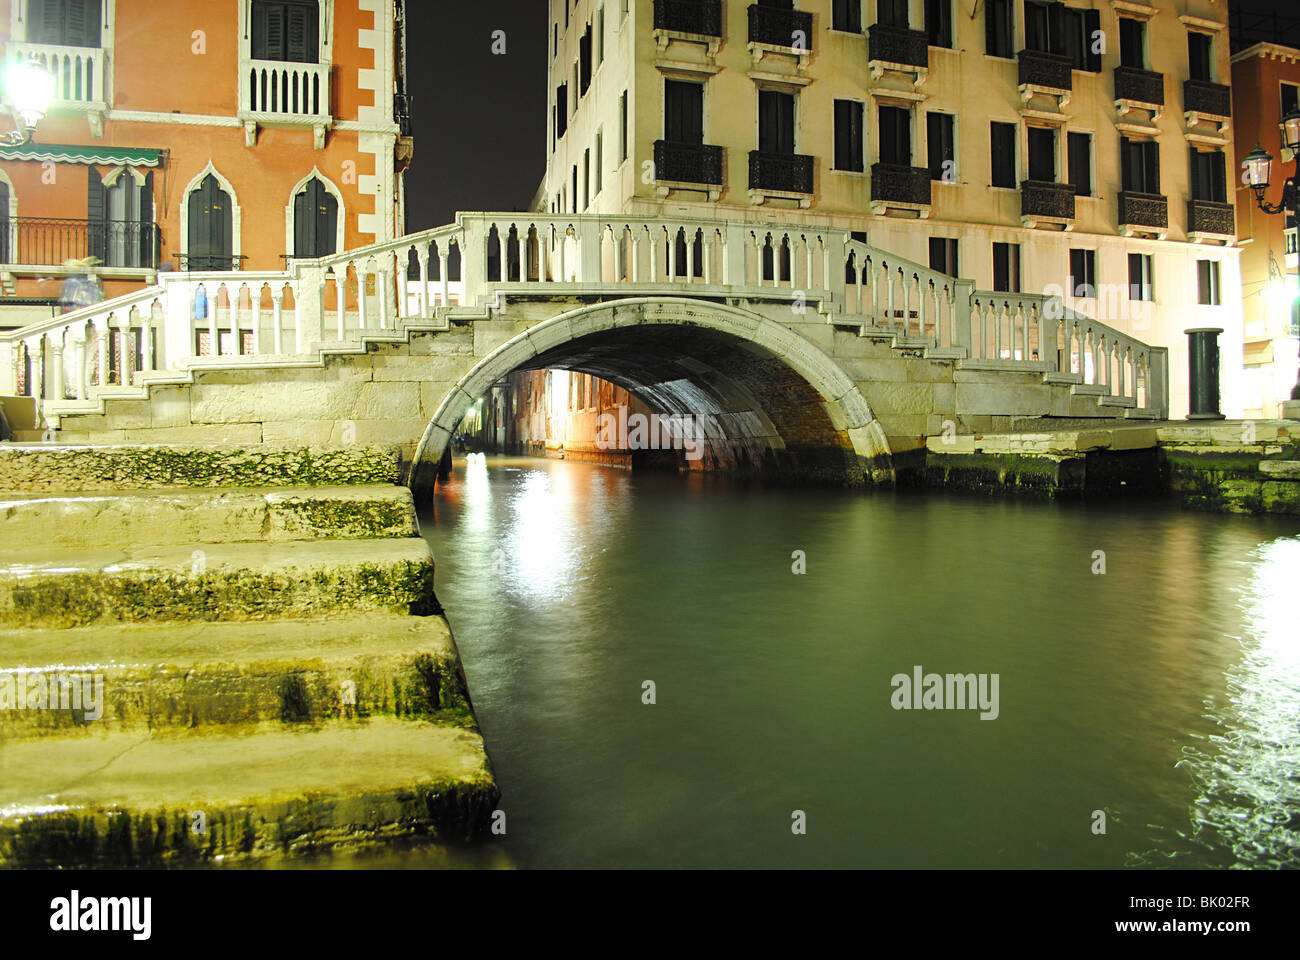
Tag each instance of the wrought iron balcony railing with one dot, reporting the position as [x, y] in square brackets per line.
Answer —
[900, 184]
[1211, 99]
[1140, 86]
[1045, 69]
[781, 28]
[790, 172]
[197, 262]
[1143, 210]
[703, 17]
[898, 45]
[1043, 198]
[51, 241]
[688, 162]
[1208, 216]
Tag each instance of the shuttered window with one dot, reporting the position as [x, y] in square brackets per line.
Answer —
[895, 136]
[1209, 180]
[683, 112]
[210, 228]
[1140, 165]
[1042, 154]
[69, 23]
[1002, 149]
[286, 30]
[848, 135]
[1080, 161]
[315, 221]
[775, 122]
[939, 141]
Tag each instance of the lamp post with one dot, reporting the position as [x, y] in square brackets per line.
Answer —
[1259, 174]
[29, 88]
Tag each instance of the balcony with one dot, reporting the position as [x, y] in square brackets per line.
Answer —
[780, 174]
[899, 187]
[79, 80]
[1211, 102]
[284, 94]
[701, 18]
[773, 27]
[1143, 213]
[1210, 220]
[897, 48]
[688, 163]
[1145, 87]
[1042, 201]
[1042, 72]
[50, 242]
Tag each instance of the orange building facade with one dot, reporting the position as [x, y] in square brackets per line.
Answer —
[195, 135]
[1265, 81]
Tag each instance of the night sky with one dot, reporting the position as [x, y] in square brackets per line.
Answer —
[479, 119]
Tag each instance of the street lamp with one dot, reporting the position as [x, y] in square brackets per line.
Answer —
[29, 88]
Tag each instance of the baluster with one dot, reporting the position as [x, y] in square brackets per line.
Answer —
[146, 331]
[422, 255]
[79, 360]
[708, 240]
[381, 289]
[808, 263]
[56, 350]
[671, 255]
[277, 315]
[521, 248]
[363, 278]
[690, 256]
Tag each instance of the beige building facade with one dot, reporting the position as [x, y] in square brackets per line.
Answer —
[1082, 148]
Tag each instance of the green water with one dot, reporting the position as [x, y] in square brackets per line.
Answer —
[1165, 692]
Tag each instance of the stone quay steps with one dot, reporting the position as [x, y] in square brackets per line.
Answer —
[213, 515]
[142, 798]
[204, 675]
[206, 581]
[50, 467]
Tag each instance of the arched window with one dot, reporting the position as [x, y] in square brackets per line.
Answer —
[211, 231]
[315, 221]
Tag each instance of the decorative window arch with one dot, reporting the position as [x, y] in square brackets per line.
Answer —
[333, 191]
[235, 214]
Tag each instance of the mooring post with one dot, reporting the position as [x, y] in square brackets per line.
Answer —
[1203, 373]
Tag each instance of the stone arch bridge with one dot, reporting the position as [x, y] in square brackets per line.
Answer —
[801, 351]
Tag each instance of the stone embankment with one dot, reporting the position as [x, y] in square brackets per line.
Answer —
[259, 664]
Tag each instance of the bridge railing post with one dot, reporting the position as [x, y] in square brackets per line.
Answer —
[590, 237]
[309, 304]
[473, 259]
[735, 238]
[962, 312]
[1050, 313]
[1157, 386]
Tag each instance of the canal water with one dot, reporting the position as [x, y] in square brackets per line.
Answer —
[1163, 692]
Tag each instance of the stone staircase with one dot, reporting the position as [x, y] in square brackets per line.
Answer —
[221, 653]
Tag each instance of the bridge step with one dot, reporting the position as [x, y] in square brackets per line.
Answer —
[240, 581]
[52, 467]
[154, 676]
[212, 515]
[172, 798]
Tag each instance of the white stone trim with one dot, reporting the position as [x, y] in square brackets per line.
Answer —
[235, 213]
[13, 211]
[381, 82]
[332, 190]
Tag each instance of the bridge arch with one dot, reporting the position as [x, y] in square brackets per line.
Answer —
[764, 395]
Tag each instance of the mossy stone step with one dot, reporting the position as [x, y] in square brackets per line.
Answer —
[54, 467]
[233, 581]
[181, 798]
[92, 680]
[213, 515]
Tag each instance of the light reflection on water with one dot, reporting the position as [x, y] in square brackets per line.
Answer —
[1165, 692]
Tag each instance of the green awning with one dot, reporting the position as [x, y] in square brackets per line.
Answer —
[58, 153]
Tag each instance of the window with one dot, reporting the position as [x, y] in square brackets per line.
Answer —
[1209, 180]
[1043, 27]
[119, 227]
[846, 15]
[1139, 165]
[1139, 276]
[575, 188]
[892, 12]
[1042, 154]
[622, 127]
[67, 23]
[600, 36]
[1132, 40]
[586, 179]
[1080, 30]
[285, 30]
[584, 62]
[1199, 56]
[938, 23]
[997, 28]
[683, 112]
[1290, 94]
[315, 221]
[1002, 138]
[939, 143]
[1207, 282]
[1079, 148]
[555, 41]
[896, 136]
[848, 135]
[211, 227]
[775, 122]
[600, 163]
[1083, 273]
[943, 255]
[1006, 267]
[561, 109]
